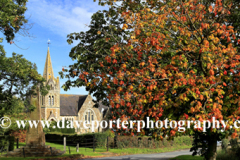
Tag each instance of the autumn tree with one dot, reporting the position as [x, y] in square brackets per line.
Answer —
[178, 59]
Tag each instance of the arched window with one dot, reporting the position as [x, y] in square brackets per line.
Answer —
[49, 100]
[52, 87]
[89, 116]
[52, 100]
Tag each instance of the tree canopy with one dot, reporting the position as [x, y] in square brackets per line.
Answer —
[12, 18]
[176, 59]
[18, 76]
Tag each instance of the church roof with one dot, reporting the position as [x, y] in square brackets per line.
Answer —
[101, 106]
[70, 104]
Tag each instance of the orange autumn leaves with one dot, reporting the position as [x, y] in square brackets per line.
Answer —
[173, 60]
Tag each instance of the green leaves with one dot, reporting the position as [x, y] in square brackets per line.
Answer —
[18, 76]
[12, 17]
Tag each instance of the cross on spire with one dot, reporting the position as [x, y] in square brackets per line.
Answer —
[48, 42]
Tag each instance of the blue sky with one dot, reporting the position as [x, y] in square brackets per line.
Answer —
[54, 20]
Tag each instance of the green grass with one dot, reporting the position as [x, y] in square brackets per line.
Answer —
[146, 150]
[101, 152]
[187, 157]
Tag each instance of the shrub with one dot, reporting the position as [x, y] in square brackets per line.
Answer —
[58, 130]
[133, 142]
[82, 139]
[224, 144]
[109, 133]
[7, 141]
[222, 155]
[20, 134]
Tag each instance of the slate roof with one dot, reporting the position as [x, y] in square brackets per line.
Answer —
[70, 104]
[102, 106]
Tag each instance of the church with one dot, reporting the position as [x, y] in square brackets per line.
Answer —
[55, 106]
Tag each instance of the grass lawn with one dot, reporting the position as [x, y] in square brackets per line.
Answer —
[102, 152]
[187, 157]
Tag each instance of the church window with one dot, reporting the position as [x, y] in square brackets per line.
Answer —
[52, 100]
[89, 116]
[49, 100]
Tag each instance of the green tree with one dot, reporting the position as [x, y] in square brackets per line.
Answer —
[12, 19]
[18, 76]
[18, 79]
[93, 47]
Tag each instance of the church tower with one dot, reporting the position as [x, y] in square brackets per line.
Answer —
[50, 104]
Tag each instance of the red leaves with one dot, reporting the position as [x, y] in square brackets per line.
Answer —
[225, 72]
[234, 135]
[211, 72]
[114, 61]
[228, 39]
[159, 115]
[172, 133]
[117, 106]
[121, 82]
[185, 115]
[197, 91]
[108, 59]
[210, 9]
[128, 104]
[238, 41]
[115, 81]
[224, 84]
[101, 64]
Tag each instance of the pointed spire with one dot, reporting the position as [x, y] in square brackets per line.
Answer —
[48, 70]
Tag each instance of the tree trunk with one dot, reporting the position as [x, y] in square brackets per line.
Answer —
[212, 149]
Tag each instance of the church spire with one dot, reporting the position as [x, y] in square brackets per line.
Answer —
[48, 70]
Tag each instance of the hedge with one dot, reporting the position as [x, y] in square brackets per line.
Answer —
[148, 142]
[73, 139]
[118, 141]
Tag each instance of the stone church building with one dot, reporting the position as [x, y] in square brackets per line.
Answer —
[55, 106]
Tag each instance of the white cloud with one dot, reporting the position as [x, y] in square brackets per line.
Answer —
[61, 17]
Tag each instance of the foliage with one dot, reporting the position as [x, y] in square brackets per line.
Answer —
[19, 79]
[145, 142]
[187, 157]
[222, 155]
[7, 141]
[20, 134]
[109, 133]
[73, 139]
[225, 144]
[170, 59]
[12, 18]
[59, 130]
